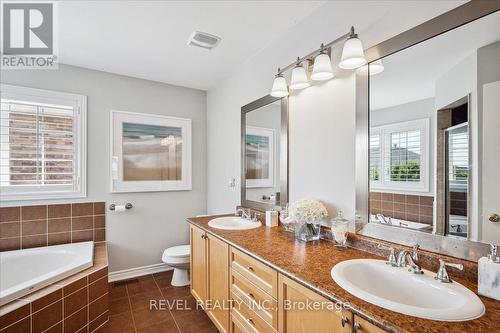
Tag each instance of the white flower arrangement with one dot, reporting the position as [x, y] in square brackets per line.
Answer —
[308, 211]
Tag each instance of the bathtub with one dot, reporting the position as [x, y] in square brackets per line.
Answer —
[25, 271]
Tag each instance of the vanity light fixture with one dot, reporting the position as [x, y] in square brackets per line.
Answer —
[353, 55]
[280, 88]
[299, 77]
[322, 68]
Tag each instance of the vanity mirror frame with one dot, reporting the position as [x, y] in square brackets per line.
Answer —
[283, 158]
[464, 249]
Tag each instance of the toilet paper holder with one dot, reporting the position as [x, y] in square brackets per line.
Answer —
[127, 206]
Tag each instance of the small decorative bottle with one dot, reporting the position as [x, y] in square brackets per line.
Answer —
[489, 275]
[340, 226]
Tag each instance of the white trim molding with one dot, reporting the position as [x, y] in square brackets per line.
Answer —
[126, 274]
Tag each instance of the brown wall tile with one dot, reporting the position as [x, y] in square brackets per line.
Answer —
[99, 208]
[75, 285]
[399, 198]
[15, 315]
[22, 326]
[98, 274]
[33, 241]
[82, 209]
[33, 212]
[426, 200]
[99, 221]
[98, 307]
[82, 223]
[63, 210]
[413, 199]
[10, 214]
[59, 225]
[75, 301]
[76, 321]
[10, 229]
[387, 205]
[96, 323]
[387, 197]
[399, 207]
[34, 227]
[59, 238]
[47, 317]
[376, 195]
[412, 209]
[426, 210]
[46, 300]
[58, 328]
[98, 288]
[82, 236]
[99, 235]
[9, 244]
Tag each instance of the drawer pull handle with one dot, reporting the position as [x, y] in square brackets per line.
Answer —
[250, 268]
[250, 321]
[344, 320]
[250, 295]
[357, 327]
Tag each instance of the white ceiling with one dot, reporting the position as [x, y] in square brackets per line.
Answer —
[147, 39]
[410, 75]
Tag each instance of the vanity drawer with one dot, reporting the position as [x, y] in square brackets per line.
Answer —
[246, 320]
[244, 290]
[256, 272]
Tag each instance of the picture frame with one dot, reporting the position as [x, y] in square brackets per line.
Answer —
[259, 151]
[149, 152]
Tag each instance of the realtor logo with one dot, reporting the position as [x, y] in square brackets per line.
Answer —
[28, 35]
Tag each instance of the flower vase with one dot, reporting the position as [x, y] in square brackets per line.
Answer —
[307, 232]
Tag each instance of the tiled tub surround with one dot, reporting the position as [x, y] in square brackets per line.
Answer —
[310, 264]
[414, 208]
[33, 226]
[76, 304]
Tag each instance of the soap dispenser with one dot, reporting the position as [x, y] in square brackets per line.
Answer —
[489, 275]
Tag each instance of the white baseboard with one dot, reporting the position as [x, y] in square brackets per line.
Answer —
[137, 271]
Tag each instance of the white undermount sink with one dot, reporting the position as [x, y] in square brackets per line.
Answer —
[233, 223]
[396, 289]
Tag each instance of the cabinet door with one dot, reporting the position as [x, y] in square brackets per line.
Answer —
[218, 282]
[198, 263]
[362, 326]
[301, 311]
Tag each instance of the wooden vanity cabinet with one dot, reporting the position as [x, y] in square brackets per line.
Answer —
[221, 273]
[294, 318]
[210, 276]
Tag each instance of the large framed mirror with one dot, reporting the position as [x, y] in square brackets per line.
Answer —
[264, 153]
[429, 134]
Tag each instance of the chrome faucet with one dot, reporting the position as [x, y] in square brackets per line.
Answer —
[442, 273]
[392, 255]
[245, 213]
[405, 258]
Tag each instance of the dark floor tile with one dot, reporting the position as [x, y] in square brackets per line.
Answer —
[168, 326]
[183, 306]
[163, 279]
[175, 292]
[196, 322]
[118, 306]
[122, 323]
[145, 317]
[117, 291]
[145, 300]
[141, 285]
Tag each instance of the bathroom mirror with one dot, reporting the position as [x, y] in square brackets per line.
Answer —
[433, 141]
[264, 153]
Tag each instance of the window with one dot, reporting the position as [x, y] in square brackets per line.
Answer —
[399, 156]
[42, 144]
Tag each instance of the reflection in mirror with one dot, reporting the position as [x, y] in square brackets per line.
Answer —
[429, 139]
[262, 151]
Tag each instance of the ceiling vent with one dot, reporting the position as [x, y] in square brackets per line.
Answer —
[203, 40]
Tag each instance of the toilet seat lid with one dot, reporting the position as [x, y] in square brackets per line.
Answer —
[177, 251]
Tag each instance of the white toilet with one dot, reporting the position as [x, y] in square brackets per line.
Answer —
[178, 258]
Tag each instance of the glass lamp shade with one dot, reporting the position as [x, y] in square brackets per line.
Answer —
[352, 54]
[299, 78]
[376, 67]
[280, 88]
[322, 69]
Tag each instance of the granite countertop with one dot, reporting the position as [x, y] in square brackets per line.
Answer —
[310, 264]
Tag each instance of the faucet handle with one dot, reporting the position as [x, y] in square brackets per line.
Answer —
[414, 253]
[442, 274]
[255, 217]
[392, 256]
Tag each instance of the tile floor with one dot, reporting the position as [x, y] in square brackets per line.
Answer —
[130, 307]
